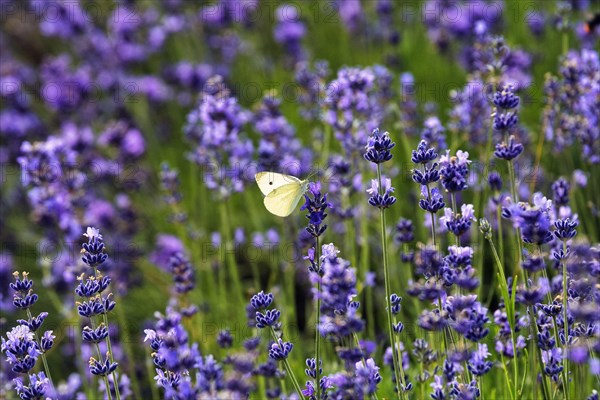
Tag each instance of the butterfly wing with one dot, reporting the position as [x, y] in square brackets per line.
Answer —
[269, 181]
[284, 200]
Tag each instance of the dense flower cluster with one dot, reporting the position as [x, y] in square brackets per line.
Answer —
[354, 105]
[23, 346]
[339, 312]
[572, 97]
[216, 129]
[316, 204]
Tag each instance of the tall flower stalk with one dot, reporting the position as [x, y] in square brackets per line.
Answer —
[432, 200]
[269, 318]
[316, 204]
[378, 151]
[505, 121]
[23, 346]
[565, 231]
[95, 305]
[507, 296]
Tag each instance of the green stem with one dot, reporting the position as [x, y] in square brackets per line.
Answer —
[510, 311]
[513, 190]
[432, 219]
[109, 347]
[230, 255]
[151, 372]
[44, 360]
[481, 388]
[388, 291]
[105, 377]
[454, 211]
[534, 331]
[554, 323]
[508, 380]
[565, 322]
[129, 351]
[318, 312]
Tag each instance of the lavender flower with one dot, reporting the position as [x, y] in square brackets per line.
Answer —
[478, 364]
[571, 99]
[183, 273]
[459, 224]
[216, 127]
[379, 146]
[470, 112]
[278, 149]
[38, 387]
[90, 288]
[433, 132]
[338, 287]
[378, 200]
[21, 349]
[552, 360]
[454, 171]
[424, 155]
[224, 339]
[533, 220]
[565, 229]
[433, 201]
[408, 105]
[24, 345]
[560, 190]
[506, 117]
[354, 106]
[315, 204]
[368, 373]
[404, 231]
[280, 350]
[312, 87]
[467, 316]
[508, 151]
[290, 31]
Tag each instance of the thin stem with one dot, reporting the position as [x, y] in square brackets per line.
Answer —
[150, 372]
[508, 380]
[432, 219]
[534, 332]
[513, 192]
[233, 269]
[481, 388]
[500, 234]
[453, 197]
[388, 291]
[510, 311]
[105, 377]
[129, 351]
[109, 347]
[554, 323]
[318, 307]
[545, 388]
[39, 343]
[565, 321]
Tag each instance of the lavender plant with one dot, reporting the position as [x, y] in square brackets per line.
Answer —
[95, 307]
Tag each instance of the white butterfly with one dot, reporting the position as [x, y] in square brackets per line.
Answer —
[282, 192]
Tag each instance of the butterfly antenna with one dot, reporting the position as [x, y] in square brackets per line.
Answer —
[313, 173]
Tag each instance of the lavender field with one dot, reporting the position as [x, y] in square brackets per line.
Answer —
[311, 199]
